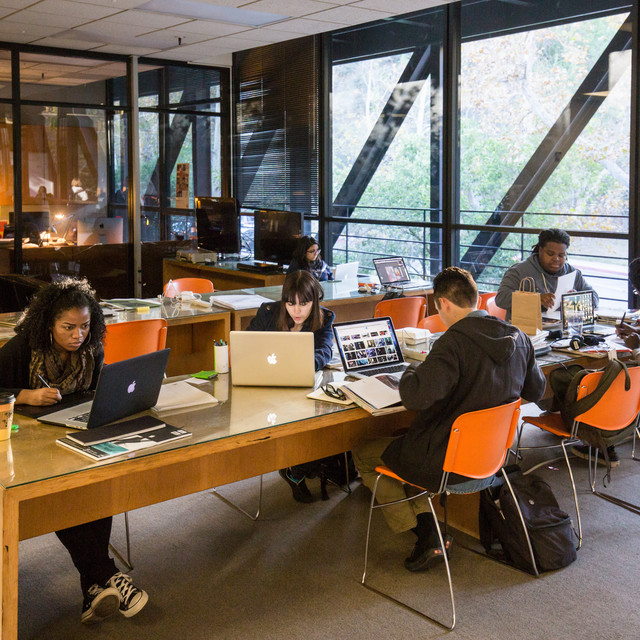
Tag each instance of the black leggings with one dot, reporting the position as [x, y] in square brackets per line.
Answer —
[88, 545]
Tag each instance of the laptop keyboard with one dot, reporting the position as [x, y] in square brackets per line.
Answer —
[83, 417]
[390, 369]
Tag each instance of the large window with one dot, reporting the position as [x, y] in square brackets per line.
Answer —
[540, 115]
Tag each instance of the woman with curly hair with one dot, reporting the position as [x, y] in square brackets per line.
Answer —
[58, 351]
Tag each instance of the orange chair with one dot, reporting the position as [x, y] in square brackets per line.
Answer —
[404, 312]
[196, 285]
[494, 309]
[135, 338]
[432, 323]
[477, 448]
[128, 340]
[483, 297]
[617, 408]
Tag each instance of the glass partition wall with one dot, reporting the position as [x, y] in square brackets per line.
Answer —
[72, 213]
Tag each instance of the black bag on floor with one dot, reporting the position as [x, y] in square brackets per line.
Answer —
[330, 469]
[550, 529]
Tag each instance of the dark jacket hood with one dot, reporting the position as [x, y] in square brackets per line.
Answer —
[496, 338]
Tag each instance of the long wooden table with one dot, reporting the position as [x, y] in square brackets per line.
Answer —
[44, 487]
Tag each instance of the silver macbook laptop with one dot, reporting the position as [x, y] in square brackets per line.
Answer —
[272, 358]
[583, 301]
[123, 388]
[369, 347]
[346, 271]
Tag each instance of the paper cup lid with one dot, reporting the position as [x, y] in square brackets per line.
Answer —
[7, 398]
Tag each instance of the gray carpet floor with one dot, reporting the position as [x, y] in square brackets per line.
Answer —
[295, 574]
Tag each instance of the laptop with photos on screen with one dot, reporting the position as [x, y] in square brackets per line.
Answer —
[272, 358]
[346, 271]
[392, 271]
[369, 347]
[123, 388]
[582, 301]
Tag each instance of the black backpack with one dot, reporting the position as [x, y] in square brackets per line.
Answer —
[331, 469]
[550, 529]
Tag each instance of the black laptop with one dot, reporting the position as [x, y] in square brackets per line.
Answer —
[123, 388]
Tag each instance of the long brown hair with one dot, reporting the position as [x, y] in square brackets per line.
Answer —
[303, 286]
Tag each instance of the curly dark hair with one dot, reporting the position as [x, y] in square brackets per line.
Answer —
[551, 235]
[46, 306]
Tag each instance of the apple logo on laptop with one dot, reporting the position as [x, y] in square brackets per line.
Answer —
[272, 418]
[132, 387]
[272, 359]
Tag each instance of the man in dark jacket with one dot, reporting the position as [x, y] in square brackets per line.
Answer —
[478, 363]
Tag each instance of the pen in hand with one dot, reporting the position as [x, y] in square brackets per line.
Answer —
[44, 382]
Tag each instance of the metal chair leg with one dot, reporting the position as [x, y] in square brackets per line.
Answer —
[373, 506]
[254, 516]
[125, 561]
[629, 506]
[575, 493]
[636, 433]
[524, 526]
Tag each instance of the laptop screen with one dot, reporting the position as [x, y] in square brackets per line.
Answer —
[367, 344]
[391, 270]
[578, 301]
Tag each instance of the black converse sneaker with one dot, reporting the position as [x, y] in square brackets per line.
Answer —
[99, 603]
[132, 599]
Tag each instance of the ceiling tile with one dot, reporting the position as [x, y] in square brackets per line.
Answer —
[125, 50]
[75, 9]
[29, 16]
[104, 31]
[24, 30]
[302, 26]
[222, 60]
[16, 4]
[65, 43]
[348, 15]
[4, 11]
[121, 5]
[210, 28]
[147, 19]
[398, 6]
[293, 8]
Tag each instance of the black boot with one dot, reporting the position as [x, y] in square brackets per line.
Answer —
[299, 487]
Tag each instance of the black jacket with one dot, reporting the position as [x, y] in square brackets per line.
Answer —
[15, 358]
[265, 320]
[478, 363]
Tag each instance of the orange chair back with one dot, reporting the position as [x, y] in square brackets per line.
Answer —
[483, 297]
[196, 285]
[404, 312]
[494, 309]
[617, 408]
[480, 440]
[135, 338]
[432, 323]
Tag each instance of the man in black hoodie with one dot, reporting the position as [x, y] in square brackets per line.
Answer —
[478, 363]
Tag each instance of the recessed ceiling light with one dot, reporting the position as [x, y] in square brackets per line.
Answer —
[199, 10]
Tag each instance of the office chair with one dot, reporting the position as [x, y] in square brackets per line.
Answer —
[494, 309]
[404, 312]
[477, 448]
[127, 340]
[195, 285]
[432, 323]
[617, 409]
[483, 297]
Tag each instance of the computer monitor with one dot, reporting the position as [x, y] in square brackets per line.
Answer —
[33, 223]
[277, 234]
[218, 224]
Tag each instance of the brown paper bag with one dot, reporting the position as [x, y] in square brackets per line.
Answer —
[526, 313]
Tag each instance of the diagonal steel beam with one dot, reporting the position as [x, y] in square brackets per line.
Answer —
[382, 135]
[546, 158]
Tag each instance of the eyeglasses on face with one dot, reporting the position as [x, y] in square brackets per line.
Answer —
[334, 392]
[313, 251]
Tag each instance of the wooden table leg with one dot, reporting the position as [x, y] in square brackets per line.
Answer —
[9, 582]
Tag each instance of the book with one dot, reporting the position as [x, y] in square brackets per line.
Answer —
[181, 395]
[126, 444]
[236, 302]
[118, 430]
[376, 394]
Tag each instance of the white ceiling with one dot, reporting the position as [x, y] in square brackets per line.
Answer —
[121, 26]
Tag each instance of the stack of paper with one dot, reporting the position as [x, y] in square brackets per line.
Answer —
[376, 394]
[540, 338]
[239, 301]
[181, 395]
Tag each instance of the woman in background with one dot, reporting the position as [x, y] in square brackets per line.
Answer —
[299, 310]
[58, 351]
[306, 257]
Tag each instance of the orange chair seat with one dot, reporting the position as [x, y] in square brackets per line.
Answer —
[551, 422]
[385, 471]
